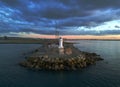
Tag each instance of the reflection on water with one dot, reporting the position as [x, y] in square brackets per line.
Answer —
[104, 74]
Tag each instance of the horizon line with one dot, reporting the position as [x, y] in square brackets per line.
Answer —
[114, 37]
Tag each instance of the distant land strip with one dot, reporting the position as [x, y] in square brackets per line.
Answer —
[19, 40]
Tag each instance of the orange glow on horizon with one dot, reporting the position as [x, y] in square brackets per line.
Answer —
[73, 36]
[92, 37]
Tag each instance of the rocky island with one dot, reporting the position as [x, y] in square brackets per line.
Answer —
[52, 57]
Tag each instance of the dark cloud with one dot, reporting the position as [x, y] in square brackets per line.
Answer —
[42, 16]
[117, 26]
[112, 32]
[11, 3]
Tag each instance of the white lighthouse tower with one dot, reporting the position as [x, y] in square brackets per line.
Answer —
[61, 47]
[60, 43]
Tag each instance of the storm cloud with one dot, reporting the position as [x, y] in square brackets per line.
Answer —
[79, 17]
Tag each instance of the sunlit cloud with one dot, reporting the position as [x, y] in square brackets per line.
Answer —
[78, 17]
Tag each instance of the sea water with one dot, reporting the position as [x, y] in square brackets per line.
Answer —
[104, 73]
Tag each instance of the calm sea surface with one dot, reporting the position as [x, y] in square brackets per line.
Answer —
[104, 74]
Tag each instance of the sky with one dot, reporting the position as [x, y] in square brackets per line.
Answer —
[70, 17]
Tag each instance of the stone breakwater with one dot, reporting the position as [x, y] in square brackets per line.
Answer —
[45, 62]
[47, 57]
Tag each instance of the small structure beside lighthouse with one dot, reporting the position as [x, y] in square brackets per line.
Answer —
[61, 47]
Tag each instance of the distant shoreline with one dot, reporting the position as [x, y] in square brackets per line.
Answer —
[14, 40]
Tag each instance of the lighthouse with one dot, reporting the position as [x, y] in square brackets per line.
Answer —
[61, 48]
[60, 43]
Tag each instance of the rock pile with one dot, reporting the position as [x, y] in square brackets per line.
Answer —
[69, 63]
